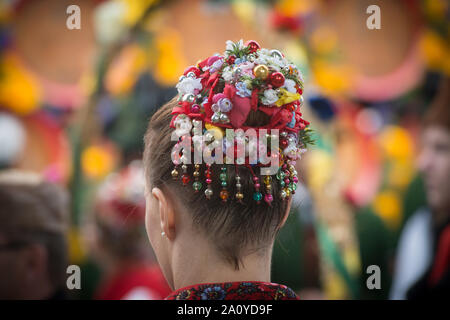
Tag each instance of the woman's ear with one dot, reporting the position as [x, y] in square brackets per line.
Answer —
[166, 213]
[286, 214]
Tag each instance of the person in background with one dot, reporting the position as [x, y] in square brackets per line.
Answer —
[423, 258]
[118, 241]
[33, 244]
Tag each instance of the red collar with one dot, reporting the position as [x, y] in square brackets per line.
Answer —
[250, 290]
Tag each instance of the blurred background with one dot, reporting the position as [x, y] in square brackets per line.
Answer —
[74, 105]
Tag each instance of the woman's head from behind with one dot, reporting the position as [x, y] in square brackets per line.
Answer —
[222, 212]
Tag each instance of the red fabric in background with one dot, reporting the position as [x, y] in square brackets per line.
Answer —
[125, 281]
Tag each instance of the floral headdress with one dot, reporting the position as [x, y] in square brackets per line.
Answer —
[220, 93]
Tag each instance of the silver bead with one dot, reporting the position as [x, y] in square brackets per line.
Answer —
[191, 75]
[209, 136]
[224, 118]
[276, 53]
[215, 117]
[208, 193]
[181, 78]
[238, 185]
[189, 97]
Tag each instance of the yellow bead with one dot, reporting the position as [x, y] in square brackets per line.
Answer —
[261, 71]
[267, 179]
[288, 192]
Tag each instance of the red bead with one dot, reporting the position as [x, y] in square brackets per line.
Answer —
[195, 108]
[253, 46]
[284, 143]
[277, 79]
[185, 179]
[290, 107]
[192, 69]
[231, 59]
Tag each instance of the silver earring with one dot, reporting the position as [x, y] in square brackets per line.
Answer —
[163, 234]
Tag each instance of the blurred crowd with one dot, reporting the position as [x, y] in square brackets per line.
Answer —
[374, 189]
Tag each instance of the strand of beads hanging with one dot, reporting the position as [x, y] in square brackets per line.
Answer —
[185, 177]
[239, 194]
[175, 173]
[293, 177]
[280, 177]
[287, 180]
[197, 185]
[223, 182]
[208, 192]
[268, 198]
[257, 196]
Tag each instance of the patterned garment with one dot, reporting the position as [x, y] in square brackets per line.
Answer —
[253, 290]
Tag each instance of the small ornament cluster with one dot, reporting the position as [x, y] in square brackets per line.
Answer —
[220, 92]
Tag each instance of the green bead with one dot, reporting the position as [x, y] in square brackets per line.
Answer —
[197, 185]
[223, 176]
[257, 196]
[282, 183]
[280, 175]
[224, 183]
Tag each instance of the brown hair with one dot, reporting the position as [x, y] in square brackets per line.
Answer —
[236, 229]
[33, 211]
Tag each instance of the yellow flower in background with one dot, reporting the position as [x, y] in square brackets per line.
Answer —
[135, 9]
[352, 259]
[401, 173]
[292, 8]
[323, 40]
[387, 204]
[170, 62]
[333, 78]
[334, 286]
[244, 9]
[19, 90]
[286, 97]
[396, 143]
[436, 51]
[97, 161]
[320, 166]
[76, 252]
[125, 69]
